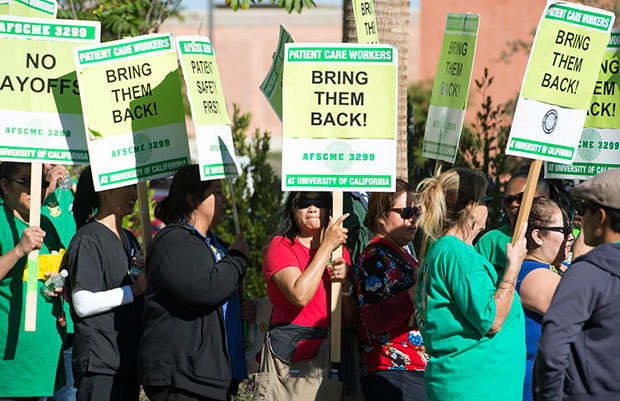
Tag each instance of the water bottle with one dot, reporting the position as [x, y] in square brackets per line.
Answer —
[56, 280]
[66, 182]
[134, 270]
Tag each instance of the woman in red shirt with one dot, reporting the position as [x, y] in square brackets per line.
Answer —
[393, 356]
[298, 270]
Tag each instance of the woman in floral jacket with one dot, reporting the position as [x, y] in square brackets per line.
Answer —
[393, 356]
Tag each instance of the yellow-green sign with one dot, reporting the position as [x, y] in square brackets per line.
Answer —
[216, 152]
[272, 85]
[133, 109]
[604, 110]
[560, 79]
[340, 91]
[5, 7]
[40, 111]
[365, 21]
[34, 8]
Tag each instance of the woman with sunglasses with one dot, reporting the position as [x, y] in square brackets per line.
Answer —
[549, 238]
[298, 269]
[28, 359]
[470, 317]
[393, 356]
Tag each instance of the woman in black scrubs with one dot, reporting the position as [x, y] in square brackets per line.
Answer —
[105, 306]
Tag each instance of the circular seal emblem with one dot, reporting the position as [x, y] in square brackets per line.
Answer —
[141, 141]
[339, 160]
[588, 148]
[550, 121]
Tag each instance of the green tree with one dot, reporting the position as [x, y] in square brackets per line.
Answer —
[290, 5]
[120, 18]
[258, 197]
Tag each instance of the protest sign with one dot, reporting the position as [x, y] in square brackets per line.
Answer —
[133, 110]
[216, 151]
[40, 112]
[365, 21]
[559, 81]
[5, 7]
[34, 8]
[339, 117]
[451, 88]
[599, 145]
[272, 85]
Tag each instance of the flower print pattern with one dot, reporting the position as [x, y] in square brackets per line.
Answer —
[383, 272]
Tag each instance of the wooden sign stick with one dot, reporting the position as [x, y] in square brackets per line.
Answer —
[34, 220]
[234, 207]
[336, 307]
[528, 197]
[145, 215]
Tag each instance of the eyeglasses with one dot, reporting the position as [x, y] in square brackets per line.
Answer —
[303, 203]
[407, 212]
[566, 230]
[26, 182]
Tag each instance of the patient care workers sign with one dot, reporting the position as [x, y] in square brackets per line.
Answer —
[446, 112]
[559, 81]
[599, 145]
[133, 110]
[339, 117]
[40, 113]
[216, 151]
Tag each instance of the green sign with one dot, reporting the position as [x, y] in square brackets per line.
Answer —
[34, 8]
[216, 152]
[5, 7]
[339, 117]
[599, 144]
[560, 79]
[365, 21]
[272, 85]
[133, 109]
[451, 88]
[40, 112]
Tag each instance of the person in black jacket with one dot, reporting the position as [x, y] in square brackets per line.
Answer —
[577, 357]
[183, 352]
[106, 302]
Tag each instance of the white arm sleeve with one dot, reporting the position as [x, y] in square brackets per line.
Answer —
[87, 303]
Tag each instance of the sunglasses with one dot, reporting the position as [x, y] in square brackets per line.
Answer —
[486, 201]
[303, 203]
[26, 182]
[566, 230]
[407, 212]
[508, 199]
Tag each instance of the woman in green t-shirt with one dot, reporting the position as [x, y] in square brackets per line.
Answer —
[470, 317]
[28, 359]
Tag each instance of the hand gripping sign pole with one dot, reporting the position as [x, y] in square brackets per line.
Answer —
[34, 220]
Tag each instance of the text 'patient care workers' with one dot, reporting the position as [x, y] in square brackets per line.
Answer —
[559, 81]
[40, 112]
[339, 116]
[133, 109]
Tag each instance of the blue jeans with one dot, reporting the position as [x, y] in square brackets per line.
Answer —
[66, 393]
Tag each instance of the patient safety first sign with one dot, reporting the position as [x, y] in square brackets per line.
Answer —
[133, 110]
[559, 82]
[40, 112]
[339, 117]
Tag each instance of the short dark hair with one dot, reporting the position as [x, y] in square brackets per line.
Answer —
[186, 193]
[380, 204]
[523, 172]
[86, 200]
[287, 227]
[613, 214]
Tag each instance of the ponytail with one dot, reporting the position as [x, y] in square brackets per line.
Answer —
[433, 204]
[444, 199]
[86, 200]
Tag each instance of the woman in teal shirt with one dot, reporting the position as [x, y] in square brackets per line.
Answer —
[469, 315]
